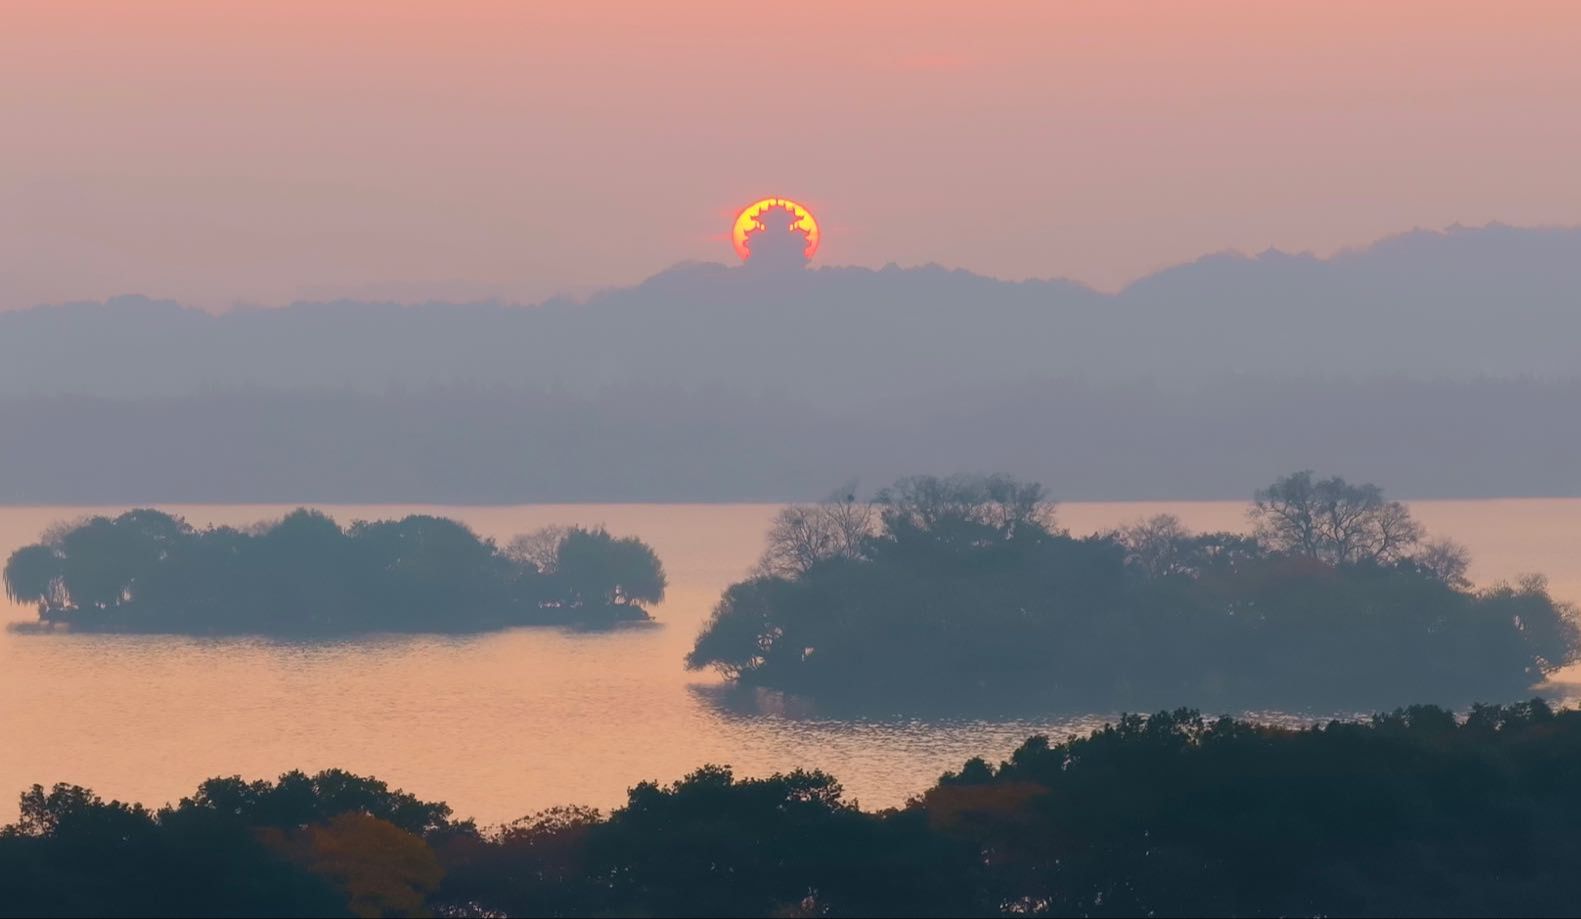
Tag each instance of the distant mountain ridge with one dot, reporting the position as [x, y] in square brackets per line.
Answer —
[1444, 364]
[1460, 304]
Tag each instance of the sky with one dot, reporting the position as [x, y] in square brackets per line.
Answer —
[223, 153]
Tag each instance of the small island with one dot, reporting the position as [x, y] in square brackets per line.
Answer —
[962, 590]
[304, 575]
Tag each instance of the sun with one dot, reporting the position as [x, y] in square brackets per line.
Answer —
[747, 223]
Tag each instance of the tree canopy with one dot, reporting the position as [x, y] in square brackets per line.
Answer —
[1333, 520]
[145, 570]
[1417, 812]
[963, 590]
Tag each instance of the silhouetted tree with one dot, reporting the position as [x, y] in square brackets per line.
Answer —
[1333, 520]
[803, 535]
[297, 799]
[33, 575]
[965, 511]
[1446, 560]
[593, 568]
[742, 630]
[539, 548]
[1155, 545]
[67, 809]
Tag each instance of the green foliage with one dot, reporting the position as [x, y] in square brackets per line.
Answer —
[149, 571]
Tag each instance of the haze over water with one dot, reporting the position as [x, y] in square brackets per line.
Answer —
[502, 724]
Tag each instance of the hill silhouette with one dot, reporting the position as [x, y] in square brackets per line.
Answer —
[714, 382]
[1461, 303]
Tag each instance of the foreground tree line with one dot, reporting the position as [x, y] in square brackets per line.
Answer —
[1413, 813]
[964, 588]
[149, 571]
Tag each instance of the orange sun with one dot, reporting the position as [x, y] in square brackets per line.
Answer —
[747, 222]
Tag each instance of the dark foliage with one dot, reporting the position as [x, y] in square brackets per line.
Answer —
[962, 589]
[1412, 813]
[219, 853]
[149, 571]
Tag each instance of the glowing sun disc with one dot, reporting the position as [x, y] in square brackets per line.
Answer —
[747, 222]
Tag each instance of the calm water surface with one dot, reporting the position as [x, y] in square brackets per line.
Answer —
[504, 724]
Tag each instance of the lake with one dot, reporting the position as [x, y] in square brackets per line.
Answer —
[503, 724]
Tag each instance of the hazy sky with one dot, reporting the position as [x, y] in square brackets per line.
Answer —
[260, 152]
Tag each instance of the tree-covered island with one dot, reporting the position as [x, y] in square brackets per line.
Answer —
[963, 590]
[148, 571]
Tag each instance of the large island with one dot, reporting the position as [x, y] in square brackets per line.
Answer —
[963, 590]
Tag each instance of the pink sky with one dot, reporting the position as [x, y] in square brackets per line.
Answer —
[224, 152]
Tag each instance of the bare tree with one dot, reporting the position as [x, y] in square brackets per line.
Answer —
[541, 547]
[1447, 560]
[966, 508]
[1153, 544]
[805, 534]
[1333, 520]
